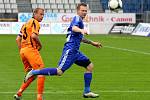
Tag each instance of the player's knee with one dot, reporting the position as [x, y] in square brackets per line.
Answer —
[90, 67]
[59, 72]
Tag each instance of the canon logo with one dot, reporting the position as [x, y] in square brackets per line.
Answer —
[116, 19]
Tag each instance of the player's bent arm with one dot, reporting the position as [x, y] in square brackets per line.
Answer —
[96, 44]
[84, 40]
[18, 41]
[77, 29]
[36, 38]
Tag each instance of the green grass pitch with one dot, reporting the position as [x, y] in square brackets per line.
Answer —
[122, 69]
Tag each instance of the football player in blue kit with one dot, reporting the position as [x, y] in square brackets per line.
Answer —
[71, 53]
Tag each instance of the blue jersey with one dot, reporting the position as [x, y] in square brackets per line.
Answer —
[74, 38]
[71, 53]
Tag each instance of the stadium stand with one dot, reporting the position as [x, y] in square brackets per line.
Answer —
[140, 7]
[56, 5]
[131, 6]
[8, 10]
[8, 6]
[96, 6]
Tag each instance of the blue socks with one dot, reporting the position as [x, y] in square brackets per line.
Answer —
[87, 82]
[45, 71]
[53, 71]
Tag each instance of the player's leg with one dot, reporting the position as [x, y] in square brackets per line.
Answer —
[40, 86]
[87, 80]
[86, 63]
[36, 62]
[46, 71]
[67, 59]
[24, 85]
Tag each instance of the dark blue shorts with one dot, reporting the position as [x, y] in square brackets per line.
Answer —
[72, 56]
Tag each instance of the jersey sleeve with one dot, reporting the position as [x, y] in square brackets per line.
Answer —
[21, 30]
[36, 27]
[76, 21]
[20, 34]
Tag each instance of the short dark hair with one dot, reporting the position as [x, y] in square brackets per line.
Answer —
[81, 4]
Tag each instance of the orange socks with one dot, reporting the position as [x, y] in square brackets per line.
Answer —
[24, 86]
[40, 86]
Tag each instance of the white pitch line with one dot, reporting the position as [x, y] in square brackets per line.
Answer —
[119, 91]
[68, 92]
[123, 49]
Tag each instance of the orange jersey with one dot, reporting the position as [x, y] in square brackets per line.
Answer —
[32, 26]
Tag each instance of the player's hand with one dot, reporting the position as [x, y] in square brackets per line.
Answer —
[97, 44]
[84, 32]
[39, 47]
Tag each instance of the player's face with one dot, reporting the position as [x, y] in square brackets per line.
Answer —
[82, 12]
[39, 15]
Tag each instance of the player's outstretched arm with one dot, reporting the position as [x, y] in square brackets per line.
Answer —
[96, 44]
[77, 29]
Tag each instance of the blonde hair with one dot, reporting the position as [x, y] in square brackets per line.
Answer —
[36, 10]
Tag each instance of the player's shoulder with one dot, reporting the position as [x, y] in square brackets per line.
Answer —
[77, 18]
[23, 26]
[32, 21]
[35, 21]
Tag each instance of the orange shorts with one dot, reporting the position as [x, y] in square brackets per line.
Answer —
[31, 59]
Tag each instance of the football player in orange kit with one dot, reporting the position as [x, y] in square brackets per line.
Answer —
[29, 46]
